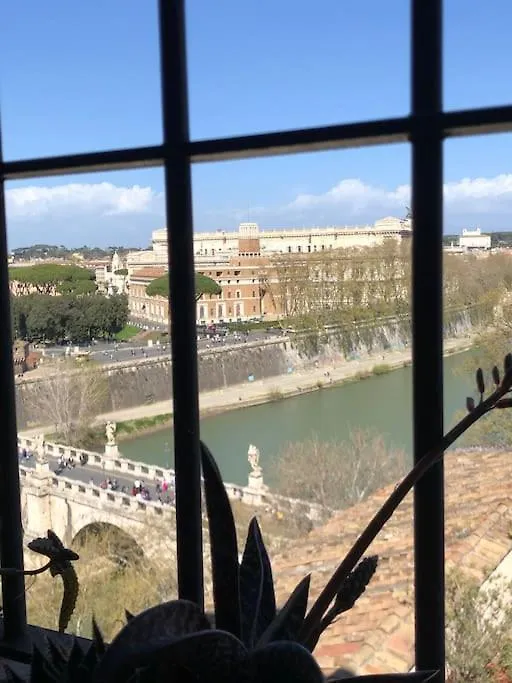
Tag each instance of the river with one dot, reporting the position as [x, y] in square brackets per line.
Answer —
[383, 404]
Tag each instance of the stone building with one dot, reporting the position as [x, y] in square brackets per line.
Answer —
[218, 247]
[245, 295]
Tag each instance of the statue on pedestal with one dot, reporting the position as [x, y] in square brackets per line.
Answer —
[253, 456]
[39, 450]
[110, 431]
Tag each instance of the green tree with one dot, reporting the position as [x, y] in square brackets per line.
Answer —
[52, 278]
[204, 285]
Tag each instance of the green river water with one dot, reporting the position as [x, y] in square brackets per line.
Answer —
[382, 403]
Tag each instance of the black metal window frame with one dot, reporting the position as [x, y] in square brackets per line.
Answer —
[425, 128]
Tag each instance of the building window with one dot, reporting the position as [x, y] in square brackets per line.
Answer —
[237, 293]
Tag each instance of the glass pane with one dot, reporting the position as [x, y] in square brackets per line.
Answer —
[78, 77]
[93, 378]
[477, 288]
[262, 66]
[477, 54]
[304, 371]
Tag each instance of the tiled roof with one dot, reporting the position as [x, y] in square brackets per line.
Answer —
[377, 635]
[148, 273]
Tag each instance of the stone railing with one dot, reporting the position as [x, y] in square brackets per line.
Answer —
[131, 468]
[259, 496]
[71, 487]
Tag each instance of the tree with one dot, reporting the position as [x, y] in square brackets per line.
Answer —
[204, 285]
[52, 278]
[68, 401]
[479, 629]
[336, 474]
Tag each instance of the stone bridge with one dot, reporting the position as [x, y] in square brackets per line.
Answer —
[71, 508]
[75, 504]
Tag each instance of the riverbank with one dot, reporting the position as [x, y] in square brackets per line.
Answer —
[275, 388]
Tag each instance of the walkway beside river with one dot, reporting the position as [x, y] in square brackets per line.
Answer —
[268, 389]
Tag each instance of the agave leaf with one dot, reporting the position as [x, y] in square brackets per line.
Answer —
[161, 624]
[281, 661]
[87, 666]
[207, 655]
[416, 677]
[288, 622]
[224, 547]
[76, 657]
[257, 597]
[97, 638]
[56, 654]
[12, 676]
[41, 669]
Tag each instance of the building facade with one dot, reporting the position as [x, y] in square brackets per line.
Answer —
[211, 248]
[474, 239]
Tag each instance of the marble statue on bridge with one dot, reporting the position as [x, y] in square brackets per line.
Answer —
[256, 473]
[111, 448]
[110, 431]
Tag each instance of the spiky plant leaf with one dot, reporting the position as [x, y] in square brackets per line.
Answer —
[257, 597]
[12, 676]
[480, 381]
[207, 655]
[287, 624]
[97, 638]
[470, 404]
[152, 628]
[41, 669]
[223, 547]
[281, 661]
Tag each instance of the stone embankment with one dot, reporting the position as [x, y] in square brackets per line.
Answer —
[257, 372]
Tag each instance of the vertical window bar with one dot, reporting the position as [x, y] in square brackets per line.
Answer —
[11, 533]
[427, 204]
[182, 299]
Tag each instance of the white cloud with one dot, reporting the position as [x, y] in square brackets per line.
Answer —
[100, 198]
[104, 213]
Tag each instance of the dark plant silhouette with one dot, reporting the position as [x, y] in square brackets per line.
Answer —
[252, 642]
[59, 563]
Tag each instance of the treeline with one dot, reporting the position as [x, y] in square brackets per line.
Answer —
[39, 317]
[49, 251]
[348, 285]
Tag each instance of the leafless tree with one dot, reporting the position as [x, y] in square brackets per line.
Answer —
[68, 401]
[338, 474]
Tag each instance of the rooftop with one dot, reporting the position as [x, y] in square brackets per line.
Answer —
[377, 635]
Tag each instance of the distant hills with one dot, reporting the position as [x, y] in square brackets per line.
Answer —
[52, 251]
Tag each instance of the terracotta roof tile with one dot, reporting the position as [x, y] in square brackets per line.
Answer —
[377, 635]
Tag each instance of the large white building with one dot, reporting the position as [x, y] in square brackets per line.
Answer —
[218, 247]
[474, 239]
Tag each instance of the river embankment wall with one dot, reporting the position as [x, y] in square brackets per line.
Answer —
[147, 381]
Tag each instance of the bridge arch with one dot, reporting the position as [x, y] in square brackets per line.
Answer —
[109, 540]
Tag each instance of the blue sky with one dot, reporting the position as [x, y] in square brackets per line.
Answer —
[84, 76]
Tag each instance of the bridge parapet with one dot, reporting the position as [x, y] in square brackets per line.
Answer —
[248, 495]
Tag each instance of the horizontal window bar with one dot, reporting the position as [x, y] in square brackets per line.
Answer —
[370, 133]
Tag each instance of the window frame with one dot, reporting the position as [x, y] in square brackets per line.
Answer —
[425, 128]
